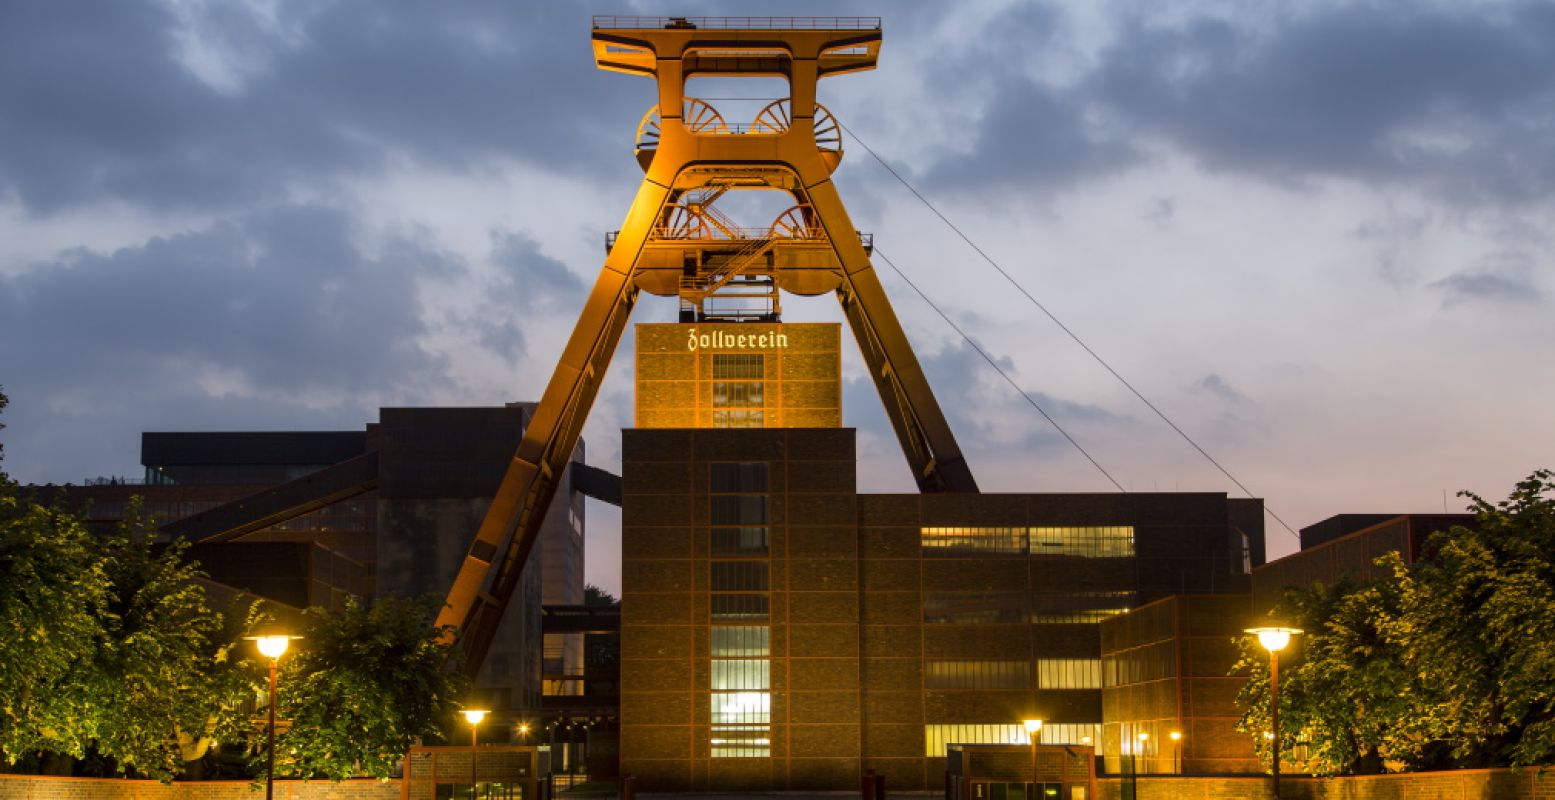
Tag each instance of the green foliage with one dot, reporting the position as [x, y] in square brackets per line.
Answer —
[365, 684]
[108, 649]
[54, 602]
[1444, 664]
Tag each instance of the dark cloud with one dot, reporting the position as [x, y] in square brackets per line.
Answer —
[281, 305]
[1503, 278]
[528, 281]
[1452, 98]
[1216, 386]
[95, 104]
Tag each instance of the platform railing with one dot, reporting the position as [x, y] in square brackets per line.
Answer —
[735, 23]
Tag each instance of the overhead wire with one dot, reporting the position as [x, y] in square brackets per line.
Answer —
[999, 369]
[1056, 321]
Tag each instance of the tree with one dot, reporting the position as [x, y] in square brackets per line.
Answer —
[1478, 611]
[54, 601]
[365, 685]
[165, 676]
[108, 649]
[595, 596]
[1443, 664]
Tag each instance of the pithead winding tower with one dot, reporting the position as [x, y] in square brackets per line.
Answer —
[675, 242]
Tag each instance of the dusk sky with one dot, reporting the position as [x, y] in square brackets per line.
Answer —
[1319, 236]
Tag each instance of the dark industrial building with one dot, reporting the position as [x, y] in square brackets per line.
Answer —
[782, 631]
[311, 518]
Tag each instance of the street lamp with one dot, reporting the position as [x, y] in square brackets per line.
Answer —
[474, 717]
[1274, 639]
[523, 733]
[1033, 733]
[1176, 737]
[272, 647]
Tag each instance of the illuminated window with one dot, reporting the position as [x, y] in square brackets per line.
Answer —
[1059, 607]
[1071, 733]
[749, 366]
[973, 541]
[1068, 673]
[1092, 542]
[739, 641]
[974, 608]
[935, 737]
[977, 675]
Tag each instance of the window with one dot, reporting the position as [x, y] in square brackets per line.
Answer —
[742, 541]
[749, 366]
[1071, 733]
[977, 675]
[1069, 673]
[973, 608]
[935, 737]
[737, 641]
[1085, 542]
[738, 576]
[738, 477]
[739, 606]
[739, 509]
[1059, 607]
[973, 541]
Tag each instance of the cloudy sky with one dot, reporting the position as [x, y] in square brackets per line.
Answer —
[1319, 236]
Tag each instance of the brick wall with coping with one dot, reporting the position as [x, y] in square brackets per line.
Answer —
[42, 787]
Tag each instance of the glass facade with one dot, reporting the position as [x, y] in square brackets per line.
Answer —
[740, 696]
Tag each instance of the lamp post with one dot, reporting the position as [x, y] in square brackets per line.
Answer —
[1176, 737]
[474, 717]
[1033, 733]
[272, 647]
[1274, 639]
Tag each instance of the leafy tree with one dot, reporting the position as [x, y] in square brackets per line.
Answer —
[108, 650]
[1444, 664]
[595, 596]
[1478, 612]
[54, 603]
[165, 675]
[365, 684]
[4, 401]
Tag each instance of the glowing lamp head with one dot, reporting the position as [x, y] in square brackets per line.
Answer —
[523, 729]
[272, 647]
[1274, 639]
[1033, 726]
[1144, 737]
[1176, 735]
[474, 715]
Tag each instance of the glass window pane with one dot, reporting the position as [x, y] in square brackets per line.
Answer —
[733, 641]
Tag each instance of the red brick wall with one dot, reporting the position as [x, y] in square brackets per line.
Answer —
[36, 787]
[1458, 785]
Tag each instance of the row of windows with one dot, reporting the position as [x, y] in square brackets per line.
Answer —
[739, 394]
[1083, 542]
[1051, 673]
[937, 737]
[988, 608]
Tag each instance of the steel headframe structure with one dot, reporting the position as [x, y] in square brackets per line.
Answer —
[675, 243]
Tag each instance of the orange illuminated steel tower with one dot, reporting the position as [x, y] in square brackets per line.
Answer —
[676, 243]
